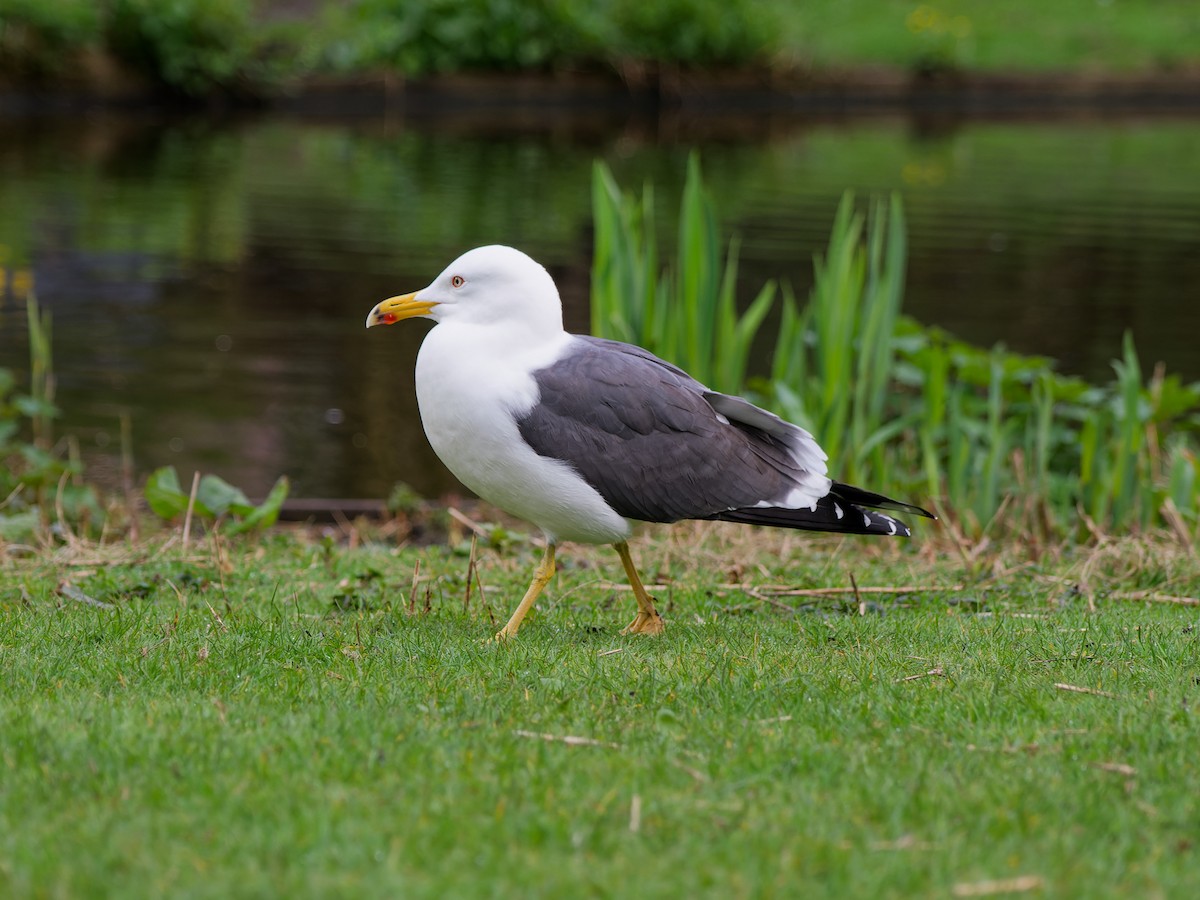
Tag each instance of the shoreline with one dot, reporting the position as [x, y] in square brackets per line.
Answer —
[101, 85]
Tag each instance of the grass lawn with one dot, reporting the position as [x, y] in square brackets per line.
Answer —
[1008, 35]
[292, 718]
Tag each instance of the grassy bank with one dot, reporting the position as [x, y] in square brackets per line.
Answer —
[994, 35]
[298, 718]
[200, 46]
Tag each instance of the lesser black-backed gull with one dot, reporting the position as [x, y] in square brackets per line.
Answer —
[583, 437]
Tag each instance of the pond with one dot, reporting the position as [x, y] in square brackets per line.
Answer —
[210, 278]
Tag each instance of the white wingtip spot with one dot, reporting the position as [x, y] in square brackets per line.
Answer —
[837, 511]
[866, 520]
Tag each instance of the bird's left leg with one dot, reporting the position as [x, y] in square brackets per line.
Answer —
[541, 577]
[648, 620]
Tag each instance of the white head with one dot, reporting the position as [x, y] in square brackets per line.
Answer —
[493, 285]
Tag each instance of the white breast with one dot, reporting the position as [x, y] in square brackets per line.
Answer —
[471, 383]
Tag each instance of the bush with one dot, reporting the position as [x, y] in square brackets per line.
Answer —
[697, 32]
[196, 47]
[36, 37]
[426, 36]
[192, 46]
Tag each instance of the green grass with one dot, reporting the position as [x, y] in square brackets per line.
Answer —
[993, 34]
[278, 721]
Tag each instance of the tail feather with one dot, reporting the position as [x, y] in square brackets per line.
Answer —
[843, 510]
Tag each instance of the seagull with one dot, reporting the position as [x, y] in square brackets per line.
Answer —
[584, 437]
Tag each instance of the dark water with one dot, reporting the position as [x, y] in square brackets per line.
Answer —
[211, 279]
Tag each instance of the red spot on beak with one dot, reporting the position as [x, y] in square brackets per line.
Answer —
[389, 318]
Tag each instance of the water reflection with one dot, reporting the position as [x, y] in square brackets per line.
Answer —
[212, 278]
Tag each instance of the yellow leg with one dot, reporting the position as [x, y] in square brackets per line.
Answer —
[541, 577]
[648, 620]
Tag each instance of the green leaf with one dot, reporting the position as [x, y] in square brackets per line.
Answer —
[163, 494]
[79, 500]
[34, 408]
[219, 496]
[265, 514]
[41, 467]
[20, 526]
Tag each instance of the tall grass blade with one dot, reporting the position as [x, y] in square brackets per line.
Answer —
[687, 313]
[41, 373]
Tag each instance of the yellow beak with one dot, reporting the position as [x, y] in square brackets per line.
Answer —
[392, 310]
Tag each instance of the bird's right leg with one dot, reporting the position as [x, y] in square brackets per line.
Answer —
[541, 577]
[648, 620]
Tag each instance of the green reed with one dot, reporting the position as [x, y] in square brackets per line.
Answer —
[833, 360]
[992, 438]
[686, 313]
[39, 404]
[40, 479]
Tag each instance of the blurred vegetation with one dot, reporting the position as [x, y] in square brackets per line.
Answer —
[40, 478]
[38, 39]
[452, 35]
[213, 500]
[192, 46]
[197, 47]
[43, 494]
[998, 440]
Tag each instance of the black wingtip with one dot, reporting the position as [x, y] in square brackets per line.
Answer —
[860, 497]
[830, 515]
[845, 510]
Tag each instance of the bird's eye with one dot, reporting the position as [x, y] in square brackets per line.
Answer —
[457, 281]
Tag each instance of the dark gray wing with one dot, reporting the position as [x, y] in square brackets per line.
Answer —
[659, 446]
